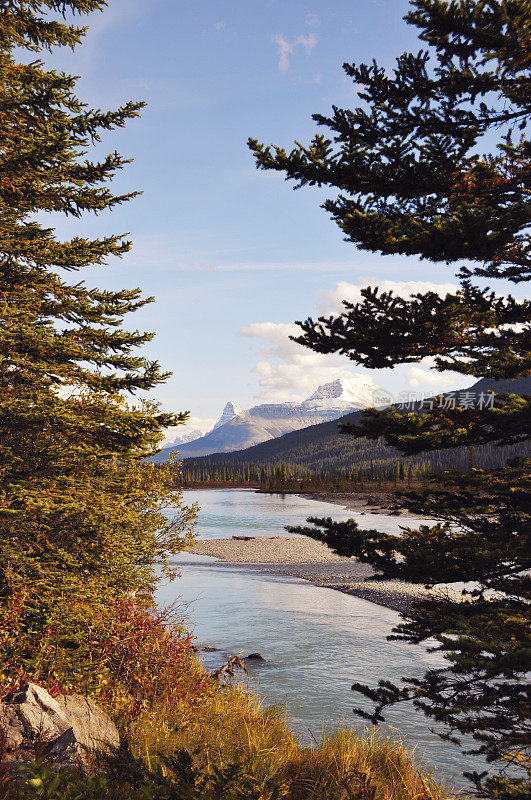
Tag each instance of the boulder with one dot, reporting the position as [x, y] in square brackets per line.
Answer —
[93, 728]
[67, 729]
[31, 714]
[66, 752]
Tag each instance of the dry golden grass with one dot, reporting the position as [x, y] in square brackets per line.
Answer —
[238, 750]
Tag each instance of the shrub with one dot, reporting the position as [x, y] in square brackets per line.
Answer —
[239, 750]
[124, 654]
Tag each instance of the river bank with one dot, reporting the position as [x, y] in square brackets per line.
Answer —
[375, 501]
[364, 501]
[314, 618]
[314, 562]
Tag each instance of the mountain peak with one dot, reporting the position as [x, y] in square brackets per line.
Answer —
[229, 412]
[184, 438]
[353, 389]
[333, 389]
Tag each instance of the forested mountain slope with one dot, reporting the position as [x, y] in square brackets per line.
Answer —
[322, 448]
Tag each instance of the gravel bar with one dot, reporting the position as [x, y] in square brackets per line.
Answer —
[274, 550]
[313, 561]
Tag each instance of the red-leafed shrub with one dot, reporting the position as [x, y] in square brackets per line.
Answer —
[125, 654]
[144, 655]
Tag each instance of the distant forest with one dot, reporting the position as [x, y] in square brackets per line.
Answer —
[321, 457]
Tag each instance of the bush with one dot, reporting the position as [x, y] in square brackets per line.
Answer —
[124, 655]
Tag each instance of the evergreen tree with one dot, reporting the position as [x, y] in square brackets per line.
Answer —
[407, 162]
[412, 180]
[80, 517]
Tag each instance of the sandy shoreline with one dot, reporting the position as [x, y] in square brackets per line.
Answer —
[314, 562]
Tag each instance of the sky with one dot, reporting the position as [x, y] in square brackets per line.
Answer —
[232, 255]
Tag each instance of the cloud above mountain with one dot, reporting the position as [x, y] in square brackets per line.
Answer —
[285, 369]
[418, 378]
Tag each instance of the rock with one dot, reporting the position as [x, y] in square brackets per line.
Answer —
[244, 538]
[66, 752]
[93, 728]
[254, 657]
[31, 713]
[70, 727]
[208, 648]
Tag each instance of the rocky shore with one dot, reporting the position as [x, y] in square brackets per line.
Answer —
[314, 562]
[369, 502]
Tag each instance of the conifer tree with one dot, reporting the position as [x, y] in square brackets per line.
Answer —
[412, 180]
[80, 516]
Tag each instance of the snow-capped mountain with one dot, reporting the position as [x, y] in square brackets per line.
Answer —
[229, 412]
[237, 429]
[189, 436]
[356, 391]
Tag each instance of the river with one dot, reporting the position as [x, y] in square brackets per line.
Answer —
[316, 641]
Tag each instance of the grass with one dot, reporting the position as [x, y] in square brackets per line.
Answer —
[239, 750]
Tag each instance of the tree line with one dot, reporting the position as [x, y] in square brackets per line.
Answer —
[367, 464]
[291, 477]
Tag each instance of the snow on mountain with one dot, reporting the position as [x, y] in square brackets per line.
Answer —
[229, 412]
[190, 436]
[237, 429]
[356, 391]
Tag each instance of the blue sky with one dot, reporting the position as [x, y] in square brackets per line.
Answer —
[233, 255]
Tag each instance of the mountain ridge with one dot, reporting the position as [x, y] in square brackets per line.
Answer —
[322, 447]
[244, 429]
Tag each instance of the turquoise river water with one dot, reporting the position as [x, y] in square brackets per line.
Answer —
[316, 641]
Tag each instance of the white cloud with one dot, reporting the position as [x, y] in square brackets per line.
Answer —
[286, 48]
[351, 292]
[287, 370]
[203, 423]
[425, 376]
[418, 378]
